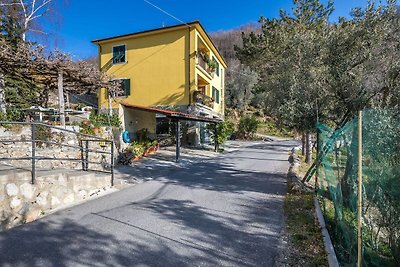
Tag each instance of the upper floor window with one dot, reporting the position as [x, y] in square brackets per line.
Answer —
[217, 66]
[215, 94]
[119, 54]
[125, 88]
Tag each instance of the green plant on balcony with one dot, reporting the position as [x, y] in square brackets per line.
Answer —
[211, 64]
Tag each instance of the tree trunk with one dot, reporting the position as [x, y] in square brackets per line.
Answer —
[2, 94]
[303, 144]
[308, 148]
[61, 99]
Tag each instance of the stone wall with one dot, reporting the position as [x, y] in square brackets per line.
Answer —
[24, 149]
[22, 202]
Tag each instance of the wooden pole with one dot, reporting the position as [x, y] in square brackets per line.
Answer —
[61, 99]
[359, 237]
[110, 110]
[2, 94]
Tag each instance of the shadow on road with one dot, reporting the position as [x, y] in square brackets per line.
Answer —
[237, 225]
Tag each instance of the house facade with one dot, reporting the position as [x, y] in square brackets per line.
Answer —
[177, 68]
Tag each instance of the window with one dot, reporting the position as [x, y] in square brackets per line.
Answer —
[217, 66]
[125, 86]
[215, 94]
[119, 52]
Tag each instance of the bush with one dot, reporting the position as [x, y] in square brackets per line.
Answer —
[103, 119]
[42, 134]
[248, 126]
[224, 130]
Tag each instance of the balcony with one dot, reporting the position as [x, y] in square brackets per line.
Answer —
[201, 98]
[204, 62]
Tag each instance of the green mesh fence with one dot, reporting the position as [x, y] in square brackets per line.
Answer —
[338, 188]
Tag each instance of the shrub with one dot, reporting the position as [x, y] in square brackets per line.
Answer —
[103, 119]
[138, 148]
[224, 130]
[248, 126]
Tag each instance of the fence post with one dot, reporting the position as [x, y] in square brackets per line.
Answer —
[216, 138]
[86, 155]
[359, 234]
[82, 158]
[112, 163]
[33, 133]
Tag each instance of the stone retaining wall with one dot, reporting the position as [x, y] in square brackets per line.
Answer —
[22, 202]
[24, 149]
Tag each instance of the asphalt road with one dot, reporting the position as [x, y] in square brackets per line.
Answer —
[226, 211]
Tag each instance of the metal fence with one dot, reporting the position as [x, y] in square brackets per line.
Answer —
[83, 147]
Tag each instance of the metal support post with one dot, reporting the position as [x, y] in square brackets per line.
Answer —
[215, 137]
[33, 135]
[86, 155]
[82, 158]
[112, 163]
[178, 140]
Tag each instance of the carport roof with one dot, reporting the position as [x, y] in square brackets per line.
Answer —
[172, 114]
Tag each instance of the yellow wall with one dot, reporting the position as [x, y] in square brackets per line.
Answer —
[134, 120]
[156, 67]
[159, 69]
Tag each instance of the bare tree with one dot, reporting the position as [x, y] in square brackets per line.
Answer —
[29, 11]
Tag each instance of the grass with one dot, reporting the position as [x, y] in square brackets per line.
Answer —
[269, 127]
[305, 238]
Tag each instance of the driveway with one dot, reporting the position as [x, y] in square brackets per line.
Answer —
[224, 211]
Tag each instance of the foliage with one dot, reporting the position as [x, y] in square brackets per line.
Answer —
[308, 66]
[12, 114]
[87, 128]
[142, 135]
[224, 130]
[212, 64]
[338, 187]
[43, 134]
[103, 119]
[248, 126]
[271, 127]
[239, 88]
[138, 148]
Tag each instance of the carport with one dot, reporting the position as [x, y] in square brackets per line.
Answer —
[177, 117]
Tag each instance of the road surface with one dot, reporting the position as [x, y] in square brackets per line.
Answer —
[225, 211]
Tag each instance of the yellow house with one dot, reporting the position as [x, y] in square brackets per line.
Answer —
[176, 67]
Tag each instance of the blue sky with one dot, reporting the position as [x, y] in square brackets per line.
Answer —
[85, 20]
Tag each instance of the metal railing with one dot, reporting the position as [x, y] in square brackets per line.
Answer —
[203, 99]
[83, 147]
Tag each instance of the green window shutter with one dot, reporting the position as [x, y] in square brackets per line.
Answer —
[217, 66]
[215, 94]
[127, 87]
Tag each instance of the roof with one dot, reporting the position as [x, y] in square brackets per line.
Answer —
[134, 34]
[172, 114]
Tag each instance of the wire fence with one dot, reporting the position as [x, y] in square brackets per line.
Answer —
[340, 181]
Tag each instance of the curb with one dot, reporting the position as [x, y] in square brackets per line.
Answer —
[330, 251]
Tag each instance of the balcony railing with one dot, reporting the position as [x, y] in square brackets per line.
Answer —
[203, 99]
